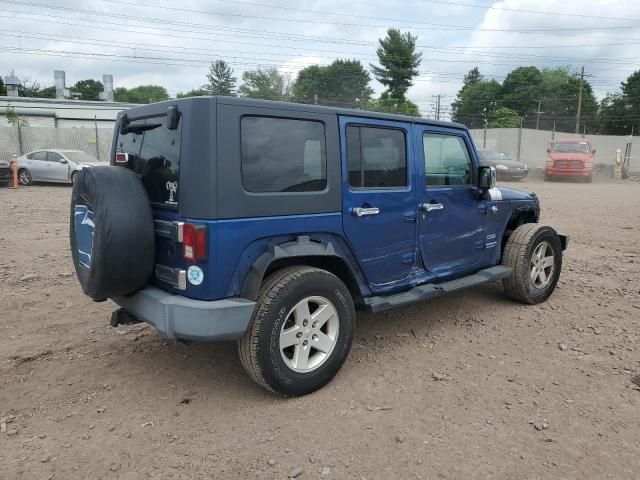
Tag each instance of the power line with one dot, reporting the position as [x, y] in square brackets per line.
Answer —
[522, 10]
[431, 26]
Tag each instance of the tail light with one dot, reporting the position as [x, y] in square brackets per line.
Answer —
[122, 157]
[194, 242]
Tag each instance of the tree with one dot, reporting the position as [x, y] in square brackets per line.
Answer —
[14, 119]
[504, 118]
[473, 76]
[558, 92]
[399, 62]
[521, 90]
[47, 92]
[89, 89]
[220, 79]
[476, 103]
[3, 90]
[267, 84]
[28, 88]
[620, 112]
[141, 94]
[344, 83]
[388, 104]
[197, 92]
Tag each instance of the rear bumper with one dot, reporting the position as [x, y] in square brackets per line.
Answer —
[175, 316]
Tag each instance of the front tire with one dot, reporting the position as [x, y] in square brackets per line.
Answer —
[300, 333]
[24, 177]
[534, 252]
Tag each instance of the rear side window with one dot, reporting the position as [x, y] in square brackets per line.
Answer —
[446, 159]
[154, 155]
[283, 155]
[376, 157]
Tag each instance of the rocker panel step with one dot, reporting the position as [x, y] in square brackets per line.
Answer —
[433, 290]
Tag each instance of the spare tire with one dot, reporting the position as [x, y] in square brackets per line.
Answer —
[111, 232]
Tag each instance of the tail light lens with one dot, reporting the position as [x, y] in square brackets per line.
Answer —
[122, 157]
[194, 242]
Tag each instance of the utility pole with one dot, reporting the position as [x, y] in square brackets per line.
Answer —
[518, 155]
[438, 107]
[580, 100]
[538, 113]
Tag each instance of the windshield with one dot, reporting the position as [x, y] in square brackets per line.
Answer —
[491, 155]
[154, 154]
[578, 147]
[80, 157]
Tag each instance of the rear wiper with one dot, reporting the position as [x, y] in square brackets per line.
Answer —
[143, 127]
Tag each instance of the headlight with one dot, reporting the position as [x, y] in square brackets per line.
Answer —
[502, 167]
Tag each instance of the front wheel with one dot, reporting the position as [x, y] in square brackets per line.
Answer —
[534, 252]
[301, 331]
[24, 177]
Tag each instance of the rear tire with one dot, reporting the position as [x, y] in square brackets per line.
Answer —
[300, 333]
[24, 177]
[534, 252]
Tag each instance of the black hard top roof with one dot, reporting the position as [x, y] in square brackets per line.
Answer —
[302, 107]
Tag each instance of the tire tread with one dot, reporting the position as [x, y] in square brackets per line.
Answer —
[270, 290]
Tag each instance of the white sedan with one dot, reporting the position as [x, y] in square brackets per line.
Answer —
[53, 165]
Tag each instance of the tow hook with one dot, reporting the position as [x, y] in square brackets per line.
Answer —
[122, 317]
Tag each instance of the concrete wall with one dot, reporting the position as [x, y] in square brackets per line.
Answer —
[535, 143]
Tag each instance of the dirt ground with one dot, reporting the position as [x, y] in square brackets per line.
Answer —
[468, 386]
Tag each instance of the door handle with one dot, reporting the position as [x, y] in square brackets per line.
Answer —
[428, 207]
[362, 212]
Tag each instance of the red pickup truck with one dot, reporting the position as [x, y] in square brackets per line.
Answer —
[570, 158]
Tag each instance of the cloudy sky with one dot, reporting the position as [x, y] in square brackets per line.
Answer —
[171, 43]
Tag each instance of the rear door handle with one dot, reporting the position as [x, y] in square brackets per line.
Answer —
[362, 212]
[428, 207]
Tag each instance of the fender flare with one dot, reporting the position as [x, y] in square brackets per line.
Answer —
[302, 246]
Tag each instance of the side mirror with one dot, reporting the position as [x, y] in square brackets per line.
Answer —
[486, 177]
[548, 150]
[63, 160]
[593, 151]
[173, 117]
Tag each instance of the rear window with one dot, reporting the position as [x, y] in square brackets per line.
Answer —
[283, 155]
[154, 155]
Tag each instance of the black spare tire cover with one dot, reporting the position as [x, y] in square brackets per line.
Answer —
[111, 232]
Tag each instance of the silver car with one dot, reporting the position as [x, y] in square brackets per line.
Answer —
[53, 165]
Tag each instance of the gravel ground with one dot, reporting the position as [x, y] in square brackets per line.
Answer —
[469, 386]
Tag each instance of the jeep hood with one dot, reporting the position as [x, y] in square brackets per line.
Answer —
[513, 194]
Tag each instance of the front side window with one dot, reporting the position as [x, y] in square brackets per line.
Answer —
[376, 157]
[446, 160]
[283, 155]
[37, 156]
[54, 157]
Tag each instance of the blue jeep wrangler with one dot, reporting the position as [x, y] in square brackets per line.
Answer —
[269, 223]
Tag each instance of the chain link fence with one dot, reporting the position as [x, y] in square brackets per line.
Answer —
[18, 140]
